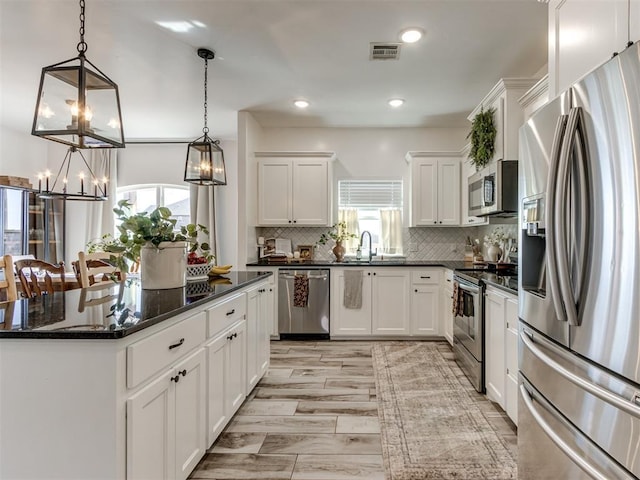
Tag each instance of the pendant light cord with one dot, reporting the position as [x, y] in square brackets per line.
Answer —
[82, 45]
[205, 130]
[629, 42]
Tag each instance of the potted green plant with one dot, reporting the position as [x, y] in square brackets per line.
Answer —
[339, 234]
[152, 240]
[483, 136]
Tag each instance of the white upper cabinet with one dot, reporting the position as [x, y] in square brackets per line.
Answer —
[435, 188]
[294, 188]
[585, 34]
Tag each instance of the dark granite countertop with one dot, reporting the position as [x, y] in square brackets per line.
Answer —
[115, 311]
[507, 281]
[451, 264]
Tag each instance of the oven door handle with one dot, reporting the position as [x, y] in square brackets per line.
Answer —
[468, 288]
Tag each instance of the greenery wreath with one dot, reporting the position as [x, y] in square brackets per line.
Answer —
[483, 136]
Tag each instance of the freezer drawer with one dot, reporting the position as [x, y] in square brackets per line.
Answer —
[603, 408]
[310, 319]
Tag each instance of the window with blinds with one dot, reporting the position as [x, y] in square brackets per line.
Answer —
[374, 206]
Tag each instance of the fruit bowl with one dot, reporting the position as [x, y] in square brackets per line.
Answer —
[198, 271]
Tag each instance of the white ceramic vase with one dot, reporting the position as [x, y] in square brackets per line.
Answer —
[494, 253]
[163, 267]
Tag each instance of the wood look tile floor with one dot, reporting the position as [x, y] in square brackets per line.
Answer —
[314, 416]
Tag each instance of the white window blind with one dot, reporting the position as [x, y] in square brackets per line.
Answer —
[370, 194]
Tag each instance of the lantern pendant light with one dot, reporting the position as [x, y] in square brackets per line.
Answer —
[205, 158]
[77, 104]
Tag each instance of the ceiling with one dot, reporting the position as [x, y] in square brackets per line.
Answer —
[270, 52]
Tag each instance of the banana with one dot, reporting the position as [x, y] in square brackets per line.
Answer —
[220, 270]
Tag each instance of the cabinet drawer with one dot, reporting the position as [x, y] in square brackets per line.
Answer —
[425, 276]
[225, 313]
[154, 353]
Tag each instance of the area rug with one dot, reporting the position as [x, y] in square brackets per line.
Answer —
[431, 426]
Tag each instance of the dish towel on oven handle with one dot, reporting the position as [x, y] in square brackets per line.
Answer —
[352, 297]
[456, 308]
[300, 291]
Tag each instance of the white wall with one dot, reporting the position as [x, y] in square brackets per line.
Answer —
[22, 154]
[250, 135]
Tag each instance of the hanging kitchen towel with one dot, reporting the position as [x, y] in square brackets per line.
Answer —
[300, 291]
[352, 289]
[456, 299]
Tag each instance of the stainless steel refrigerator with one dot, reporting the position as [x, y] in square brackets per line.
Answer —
[579, 256]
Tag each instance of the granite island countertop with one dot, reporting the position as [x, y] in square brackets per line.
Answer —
[114, 310]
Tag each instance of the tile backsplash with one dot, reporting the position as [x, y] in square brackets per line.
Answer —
[419, 243]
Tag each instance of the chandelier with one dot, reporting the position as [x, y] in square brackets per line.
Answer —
[84, 185]
[205, 158]
[77, 104]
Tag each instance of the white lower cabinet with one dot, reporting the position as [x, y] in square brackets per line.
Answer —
[511, 348]
[385, 305]
[166, 422]
[226, 359]
[501, 340]
[259, 319]
[446, 306]
[425, 287]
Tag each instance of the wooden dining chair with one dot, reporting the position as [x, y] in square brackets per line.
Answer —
[8, 283]
[97, 267]
[37, 277]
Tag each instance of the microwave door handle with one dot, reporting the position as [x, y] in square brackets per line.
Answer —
[561, 246]
[552, 183]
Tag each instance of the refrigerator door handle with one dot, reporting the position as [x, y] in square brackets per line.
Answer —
[552, 182]
[617, 401]
[575, 457]
[561, 246]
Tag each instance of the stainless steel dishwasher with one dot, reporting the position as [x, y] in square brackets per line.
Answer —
[303, 303]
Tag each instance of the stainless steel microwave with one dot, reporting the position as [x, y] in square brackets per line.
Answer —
[494, 190]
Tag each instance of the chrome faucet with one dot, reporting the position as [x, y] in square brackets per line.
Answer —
[371, 252]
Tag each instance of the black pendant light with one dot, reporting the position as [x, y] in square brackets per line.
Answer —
[83, 185]
[78, 105]
[205, 159]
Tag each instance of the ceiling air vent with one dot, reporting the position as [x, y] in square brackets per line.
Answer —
[384, 51]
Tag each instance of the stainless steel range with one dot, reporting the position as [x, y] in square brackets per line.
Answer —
[469, 324]
[468, 327]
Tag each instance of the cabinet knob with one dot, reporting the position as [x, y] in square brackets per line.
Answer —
[374, 273]
[369, 273]
[294, 221]
[470, 220]
[271, 289]
[440, 221]
[416, 290]
[235, 335]
[229, 337]
[175, 379]
[183, 373]
[435, 221]
[289, 221]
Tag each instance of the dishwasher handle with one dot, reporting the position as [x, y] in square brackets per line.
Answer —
[310, 277]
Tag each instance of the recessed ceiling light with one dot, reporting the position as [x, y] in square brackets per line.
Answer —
[411, 35]
[301, 103]
[396, 102]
